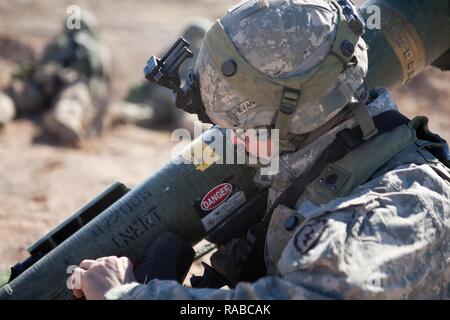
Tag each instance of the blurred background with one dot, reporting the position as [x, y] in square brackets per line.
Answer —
[43, 182]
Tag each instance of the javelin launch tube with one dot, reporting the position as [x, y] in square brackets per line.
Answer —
[170, 200]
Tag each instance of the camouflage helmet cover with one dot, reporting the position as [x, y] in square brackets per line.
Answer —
[283, 41]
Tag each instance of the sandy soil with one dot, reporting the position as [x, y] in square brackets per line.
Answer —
[41, 185]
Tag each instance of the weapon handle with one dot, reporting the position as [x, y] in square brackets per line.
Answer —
[168, 258]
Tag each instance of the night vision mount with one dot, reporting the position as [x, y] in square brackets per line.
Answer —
[165, 72]
[354, 20]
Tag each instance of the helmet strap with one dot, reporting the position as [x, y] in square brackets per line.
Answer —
[289, 103]
[364, 119]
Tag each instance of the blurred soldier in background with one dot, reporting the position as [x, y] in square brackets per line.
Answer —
[13, 52]
[152, 106]
[70, 83]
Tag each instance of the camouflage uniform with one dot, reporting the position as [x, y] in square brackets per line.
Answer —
[71, 79]
[158, 102]
[385, 238]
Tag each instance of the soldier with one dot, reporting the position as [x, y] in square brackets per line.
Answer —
[362, 199]
[71, 81]
[150, 105]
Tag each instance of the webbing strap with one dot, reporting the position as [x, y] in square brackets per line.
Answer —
[364, 120]
[288, 106]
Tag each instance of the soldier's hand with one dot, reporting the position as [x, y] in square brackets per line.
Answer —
[94, 278]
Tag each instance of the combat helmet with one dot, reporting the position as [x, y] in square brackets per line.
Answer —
[286, 64]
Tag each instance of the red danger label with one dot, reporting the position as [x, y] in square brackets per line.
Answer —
[216, 196]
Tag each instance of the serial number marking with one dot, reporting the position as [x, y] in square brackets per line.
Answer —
[405, 41]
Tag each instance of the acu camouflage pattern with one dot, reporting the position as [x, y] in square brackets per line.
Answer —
[280, 39]
[389, 239]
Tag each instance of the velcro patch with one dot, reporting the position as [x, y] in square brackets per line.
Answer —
[308, 235]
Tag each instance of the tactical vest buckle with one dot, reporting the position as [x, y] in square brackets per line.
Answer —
[289, 100]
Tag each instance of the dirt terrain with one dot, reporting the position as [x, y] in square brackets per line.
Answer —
[42, 184]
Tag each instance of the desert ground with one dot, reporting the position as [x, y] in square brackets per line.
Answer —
[42, 184]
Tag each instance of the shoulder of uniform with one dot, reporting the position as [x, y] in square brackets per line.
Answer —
[380, 100]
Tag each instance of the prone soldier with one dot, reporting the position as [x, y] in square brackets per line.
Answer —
[70, 83]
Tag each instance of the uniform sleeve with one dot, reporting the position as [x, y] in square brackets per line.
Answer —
[268, 288]
[390, 240]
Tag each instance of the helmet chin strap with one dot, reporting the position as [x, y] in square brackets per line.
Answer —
[288, 106]
[363, 118]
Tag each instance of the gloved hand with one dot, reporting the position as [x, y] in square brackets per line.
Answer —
[230, 258]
